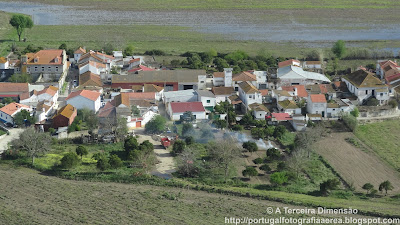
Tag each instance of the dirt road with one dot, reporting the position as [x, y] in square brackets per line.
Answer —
[14, 134]
[166, 165]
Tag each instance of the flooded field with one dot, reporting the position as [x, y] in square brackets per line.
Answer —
[245, 25]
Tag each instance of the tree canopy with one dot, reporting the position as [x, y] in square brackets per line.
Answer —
[34, 143]
[339, 49]
[155, 125]
[20, 22]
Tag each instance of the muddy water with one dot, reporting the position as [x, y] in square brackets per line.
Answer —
[233, 24]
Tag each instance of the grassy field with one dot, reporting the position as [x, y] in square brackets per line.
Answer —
[383, 138]
[30, 198]
[356, 164]
[227, 4]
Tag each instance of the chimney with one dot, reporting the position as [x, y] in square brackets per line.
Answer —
[228, 77]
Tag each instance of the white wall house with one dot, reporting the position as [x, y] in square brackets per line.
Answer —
[180, 96]
[262, 79]
[259, 111]
[312, 65]
[207, 98]
[293, 75]
[249, 94]
[93, 67]
[289, 107]
[85, 99]
[4, 64]
[365, 85]
[8, 112]
[316, 104]
[78, 53]
[177, 109]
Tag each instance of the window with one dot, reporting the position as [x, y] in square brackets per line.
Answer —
[236, 88]
[208, 101]
[250, 96]
[42, 68]
[35, 68]
[366, 92]
[381, 94]
[49, 69]
[56, 68]
[202, 82]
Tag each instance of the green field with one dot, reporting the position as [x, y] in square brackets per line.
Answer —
[227, 4]
[383, 138]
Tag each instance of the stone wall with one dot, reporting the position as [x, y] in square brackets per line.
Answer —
[376, 111]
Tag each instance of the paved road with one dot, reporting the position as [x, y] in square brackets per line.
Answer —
[14, 134]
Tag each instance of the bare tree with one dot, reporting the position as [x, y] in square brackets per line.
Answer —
[224, 154]
[33, 142]
[297, 160]
[304, 140]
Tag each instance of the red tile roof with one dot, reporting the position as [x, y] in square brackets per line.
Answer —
[134, 60]
[46, 57]
[218, 74]
[80, 50]
[14, 87]
[244, 76]
[141, 68]
[393, 77]
[91, 95]
[13, 107]
[281, 116]
[287, 63]
[264, 92]
[319, 98]
[179, 107]
[48, 90]
[301, 91]
[3, 60]
[313, 62]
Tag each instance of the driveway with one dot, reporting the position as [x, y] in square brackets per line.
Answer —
[5, 139]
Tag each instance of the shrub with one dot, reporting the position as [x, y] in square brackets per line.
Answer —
[278, 178]
[103, 163]
[258, 160]
[81, 151]
[281, 166]
[355, 112]
[393, 103]
[273, 153]
[330, 184]
[115, 161]
[237, 127]
[350, 121]
[189, 140]
[265, 167]
[69, 160]
[250, 146]
[178, 147]
[372, 102]
[250, 172]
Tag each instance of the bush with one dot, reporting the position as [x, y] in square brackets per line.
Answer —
[355, 112]
[250, 146]
[155, 52]
[273, 153]
[115, 161]
[103, 163]
[237, 127]
[250, 172]
[278, 178]
[372, 102]
[281, 166]
[81, 151]
[265, 167]
[189, 140]
[178, 147]
[350, 121]
[69, 160]
[328, 185]
[258, 160]
[393, 103]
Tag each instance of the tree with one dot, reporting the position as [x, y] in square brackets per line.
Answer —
[81, 150]
[372, 102]
[297, 161]
[187, 129]
[265, 167]
[128, 51]
[102, 162]
[269, 131]
[368, 187]
[258, 161]
[393, 103]
[135, 110]
[273, 153]
[250, 172]
[386, 185]
[156, 125]
[278, 178]
[189, 140]
[279, 131]
[24, 116]
[20, 78]
[121, 128]
[20, 22]
[237, 127]
[339, 49]
[130, 144]
[108, 48]
[350, 121]
[257, 132]
[187, 117]
[178, 147]
[221, 124]
[69, 160]
[63, 46]
[187, 164]
[223, 154]
[330, 184]
[355, 112]
[33, 142]
[115, 161]
[250, 146]
[7, 100]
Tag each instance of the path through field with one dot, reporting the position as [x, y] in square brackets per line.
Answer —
[356, 165]
[14, 134]
[166, 165]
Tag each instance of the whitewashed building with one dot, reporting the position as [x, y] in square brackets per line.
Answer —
[177, 109]
[316, 104]
[85, 99]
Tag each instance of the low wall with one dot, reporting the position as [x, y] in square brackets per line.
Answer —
[376, 111]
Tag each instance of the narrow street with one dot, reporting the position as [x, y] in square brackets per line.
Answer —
[5, 139]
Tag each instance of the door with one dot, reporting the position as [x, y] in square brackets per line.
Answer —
[139, 124]
[323, 113]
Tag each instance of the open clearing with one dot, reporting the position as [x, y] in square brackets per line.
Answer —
[384, 139]
[30, 198]
[356, 165]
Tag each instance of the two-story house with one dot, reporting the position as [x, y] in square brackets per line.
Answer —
[316, 104]
[249, 94]
[365, 85]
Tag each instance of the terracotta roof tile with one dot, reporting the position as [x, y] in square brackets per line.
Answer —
[51, 90]
[179, 107]
[13, 107]
[244, 76]
[66, 111]
[264, 92]
[248, 88]
[393, 77]
[152, 88]
[44, 57]
[281, 116]
[361, 78]
[80, 50]
[319, 98]
[3, 60]
[287, 63]
[223, 90]
[90, 79]
[218, 74]
[14, 87]
[91, 95]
